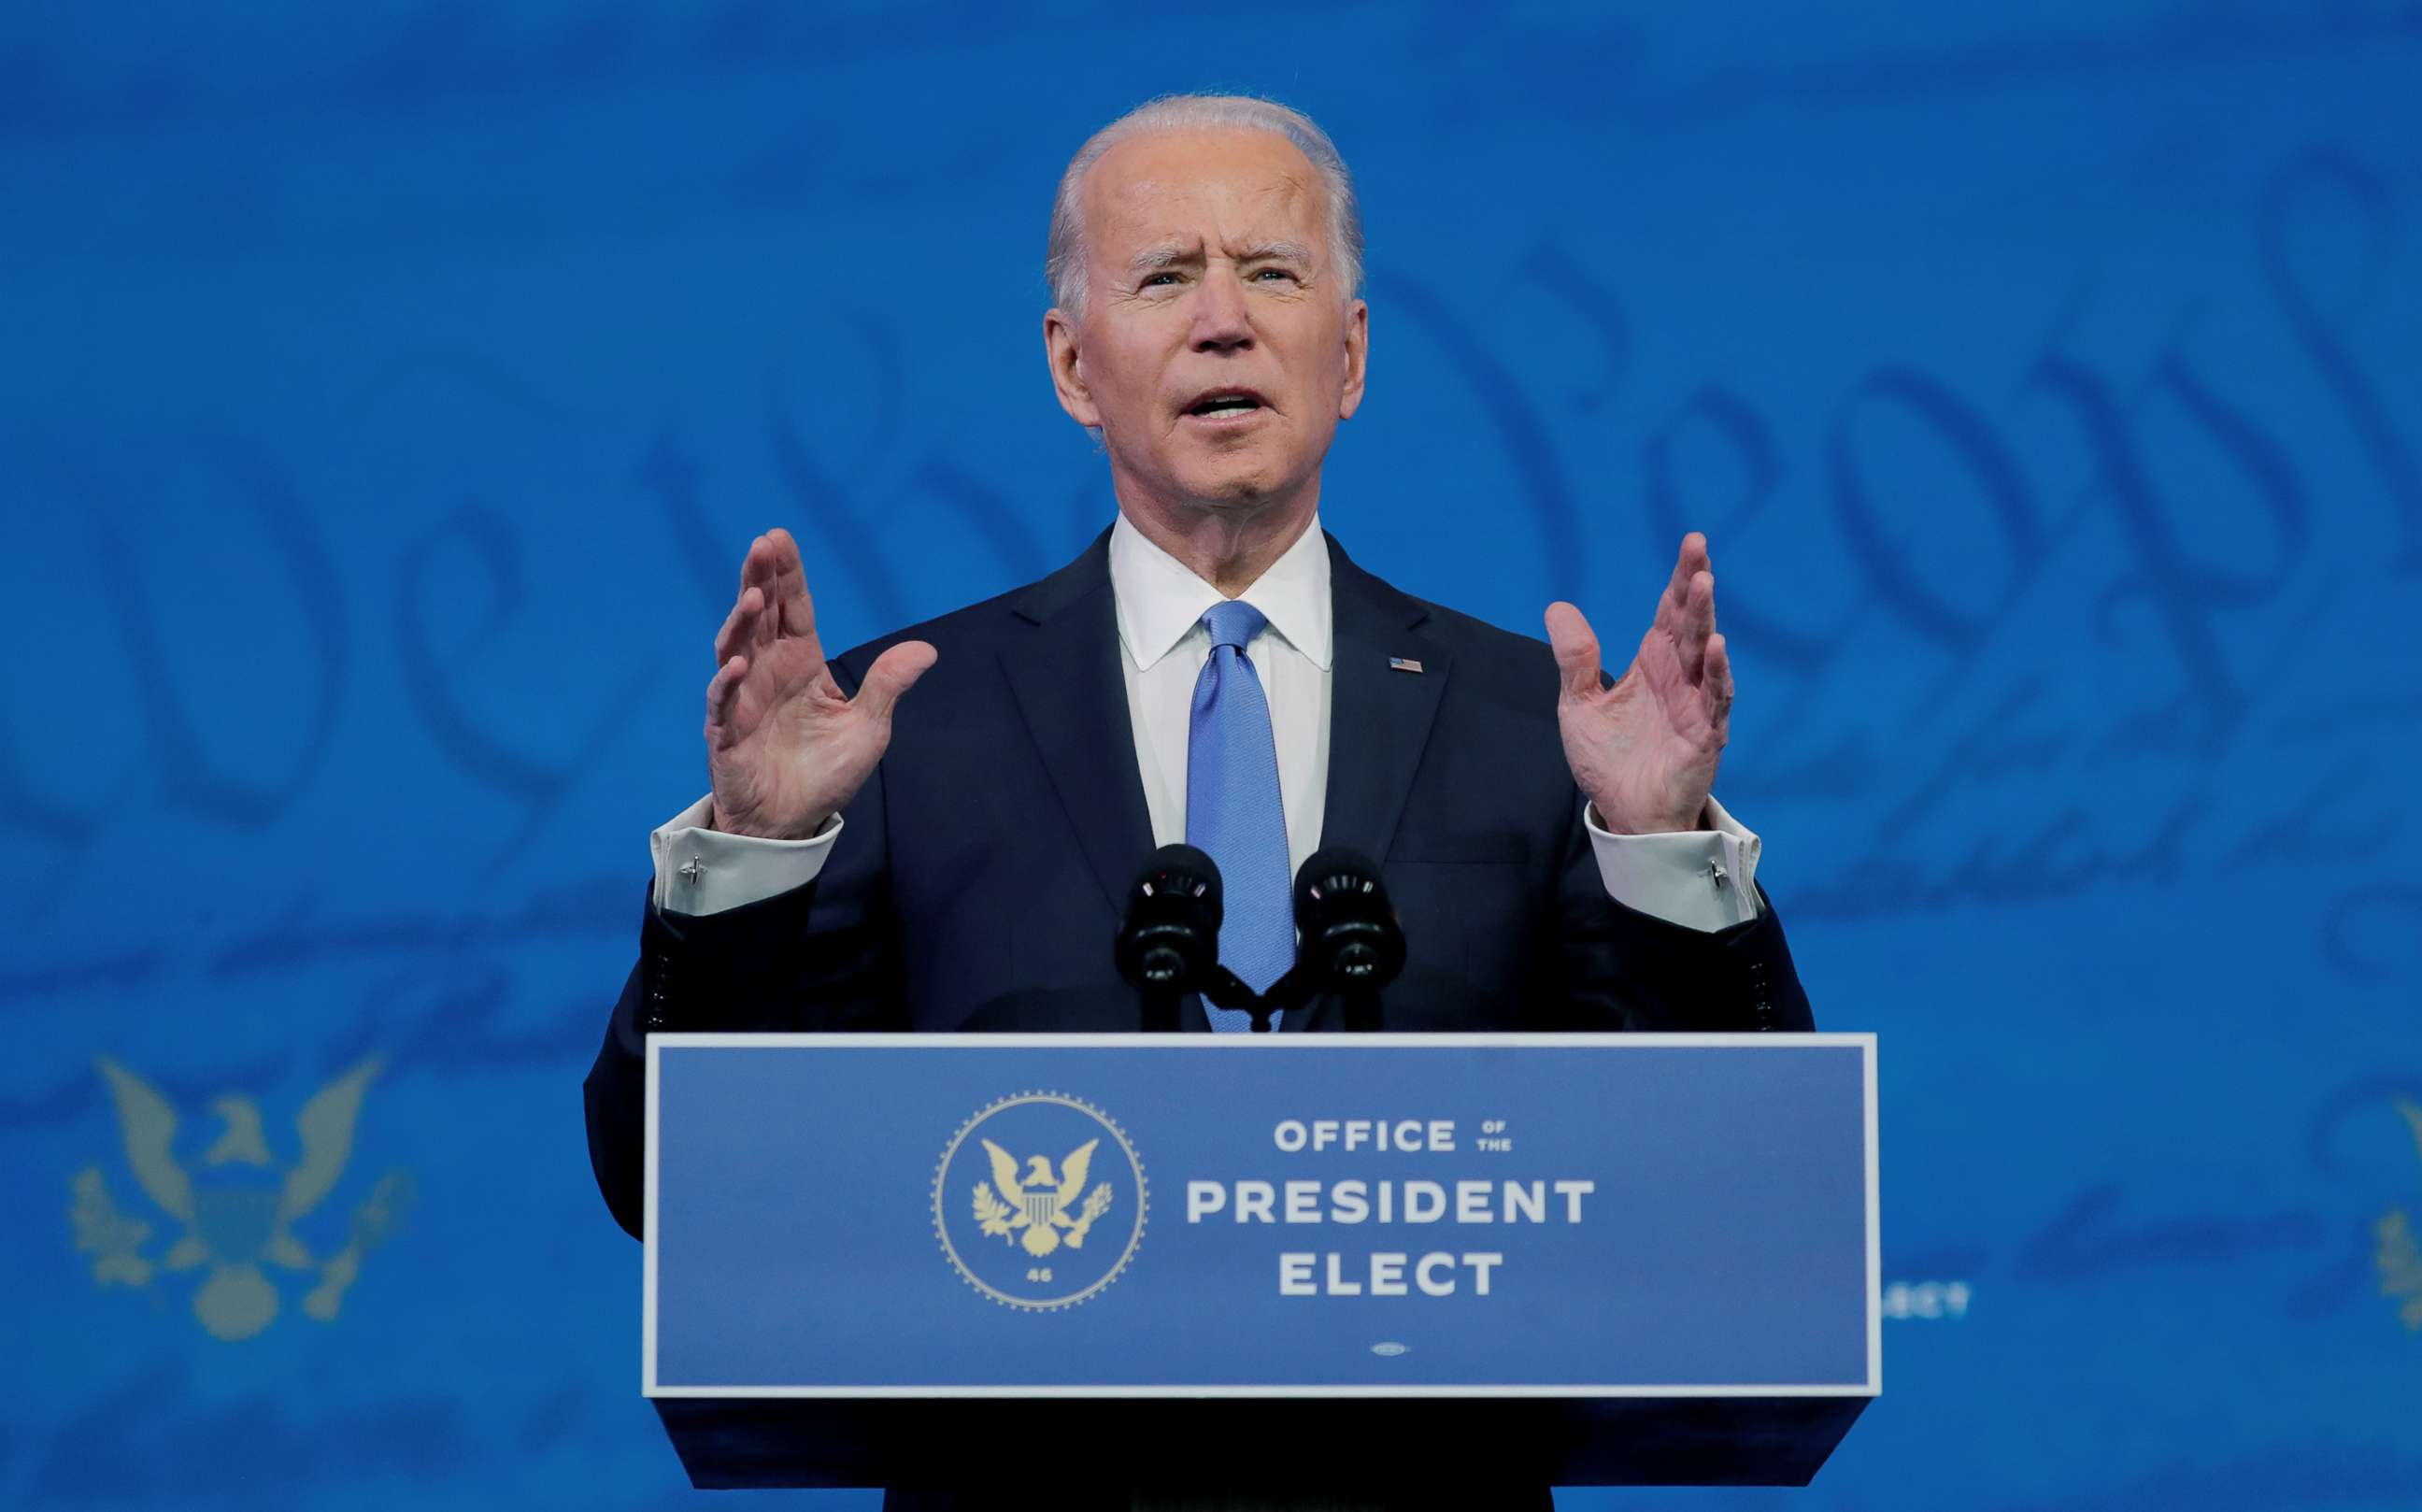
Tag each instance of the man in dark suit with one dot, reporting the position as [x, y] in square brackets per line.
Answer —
[1214, 668]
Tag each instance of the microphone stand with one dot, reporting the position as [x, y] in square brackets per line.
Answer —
[1227, 990]
[1161, 1009]
[1361, 1001]
[1298, 988]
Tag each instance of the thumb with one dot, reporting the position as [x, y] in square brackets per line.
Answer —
[893, 673]
[1575, 648]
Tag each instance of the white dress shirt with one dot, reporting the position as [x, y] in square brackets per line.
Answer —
[1703, 879]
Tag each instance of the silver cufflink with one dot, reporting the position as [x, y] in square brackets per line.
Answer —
[691, 871]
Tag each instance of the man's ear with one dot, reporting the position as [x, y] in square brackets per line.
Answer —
[1358, 354]
[1068, 368]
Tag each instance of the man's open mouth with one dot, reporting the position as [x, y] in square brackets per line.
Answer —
[1226, 401]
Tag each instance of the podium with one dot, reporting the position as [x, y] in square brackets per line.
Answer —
[1020, 1261]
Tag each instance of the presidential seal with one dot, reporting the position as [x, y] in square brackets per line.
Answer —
[1039, 1201]
[235, 1206]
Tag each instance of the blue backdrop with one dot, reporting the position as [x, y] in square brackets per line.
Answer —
[391, 392]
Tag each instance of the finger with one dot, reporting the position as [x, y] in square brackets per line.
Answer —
[1696, 622]
[893, 673]
[759, 570]
[743, 630]
[1689, 562]
[764, 625]
[736, 628]
[1674, 601]
[788, 589]
[1575, 648]
[753, 563]
[722, 701]
[1718, 688]
[723, 633]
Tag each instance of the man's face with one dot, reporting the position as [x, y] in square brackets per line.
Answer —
[1218, 350]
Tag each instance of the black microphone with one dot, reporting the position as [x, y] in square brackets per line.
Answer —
[1349, 940]
[1170, 944]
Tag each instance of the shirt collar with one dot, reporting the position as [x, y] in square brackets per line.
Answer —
[1160, 599]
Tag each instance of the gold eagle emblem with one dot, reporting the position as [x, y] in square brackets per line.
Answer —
[1039, 1211]
[232, 1225]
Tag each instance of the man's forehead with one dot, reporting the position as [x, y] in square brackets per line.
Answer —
[1244, 187]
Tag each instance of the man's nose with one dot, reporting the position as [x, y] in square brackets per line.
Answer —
[1221, 319]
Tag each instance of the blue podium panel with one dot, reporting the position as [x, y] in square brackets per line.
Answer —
[868, 1216]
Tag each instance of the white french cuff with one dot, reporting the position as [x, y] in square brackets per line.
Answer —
[701, 870]
[1703, 879]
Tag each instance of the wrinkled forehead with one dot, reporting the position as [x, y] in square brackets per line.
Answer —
[1230, 189]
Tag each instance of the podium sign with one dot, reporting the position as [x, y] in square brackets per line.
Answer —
[1592, 1219]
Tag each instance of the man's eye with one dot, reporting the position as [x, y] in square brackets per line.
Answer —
[1281, 273]
[1156, 278]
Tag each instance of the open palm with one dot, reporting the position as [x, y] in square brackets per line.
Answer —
[1644, 750]
[785, 748]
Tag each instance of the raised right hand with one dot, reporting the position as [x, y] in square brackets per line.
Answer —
[784, 749]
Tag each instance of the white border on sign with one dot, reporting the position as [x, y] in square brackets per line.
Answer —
[1865, 1041]
[1875, 1231]
[648, 1238]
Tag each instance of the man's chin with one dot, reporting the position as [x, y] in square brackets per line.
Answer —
[1233, 489]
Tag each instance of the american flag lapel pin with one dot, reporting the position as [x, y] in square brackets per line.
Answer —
[1403, 664]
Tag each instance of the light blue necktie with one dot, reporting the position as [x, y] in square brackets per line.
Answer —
[1231, 806]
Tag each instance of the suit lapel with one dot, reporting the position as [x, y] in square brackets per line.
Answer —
[1379, 715]
[1064, 672]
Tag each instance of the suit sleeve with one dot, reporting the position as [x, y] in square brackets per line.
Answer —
[822, 956]
[1628, 969]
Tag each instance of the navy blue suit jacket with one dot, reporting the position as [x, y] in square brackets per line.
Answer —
[981, 877]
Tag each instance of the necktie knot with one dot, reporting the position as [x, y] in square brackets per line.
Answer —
[1232, 622]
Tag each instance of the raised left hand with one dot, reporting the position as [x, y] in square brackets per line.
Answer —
[1644, 750]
